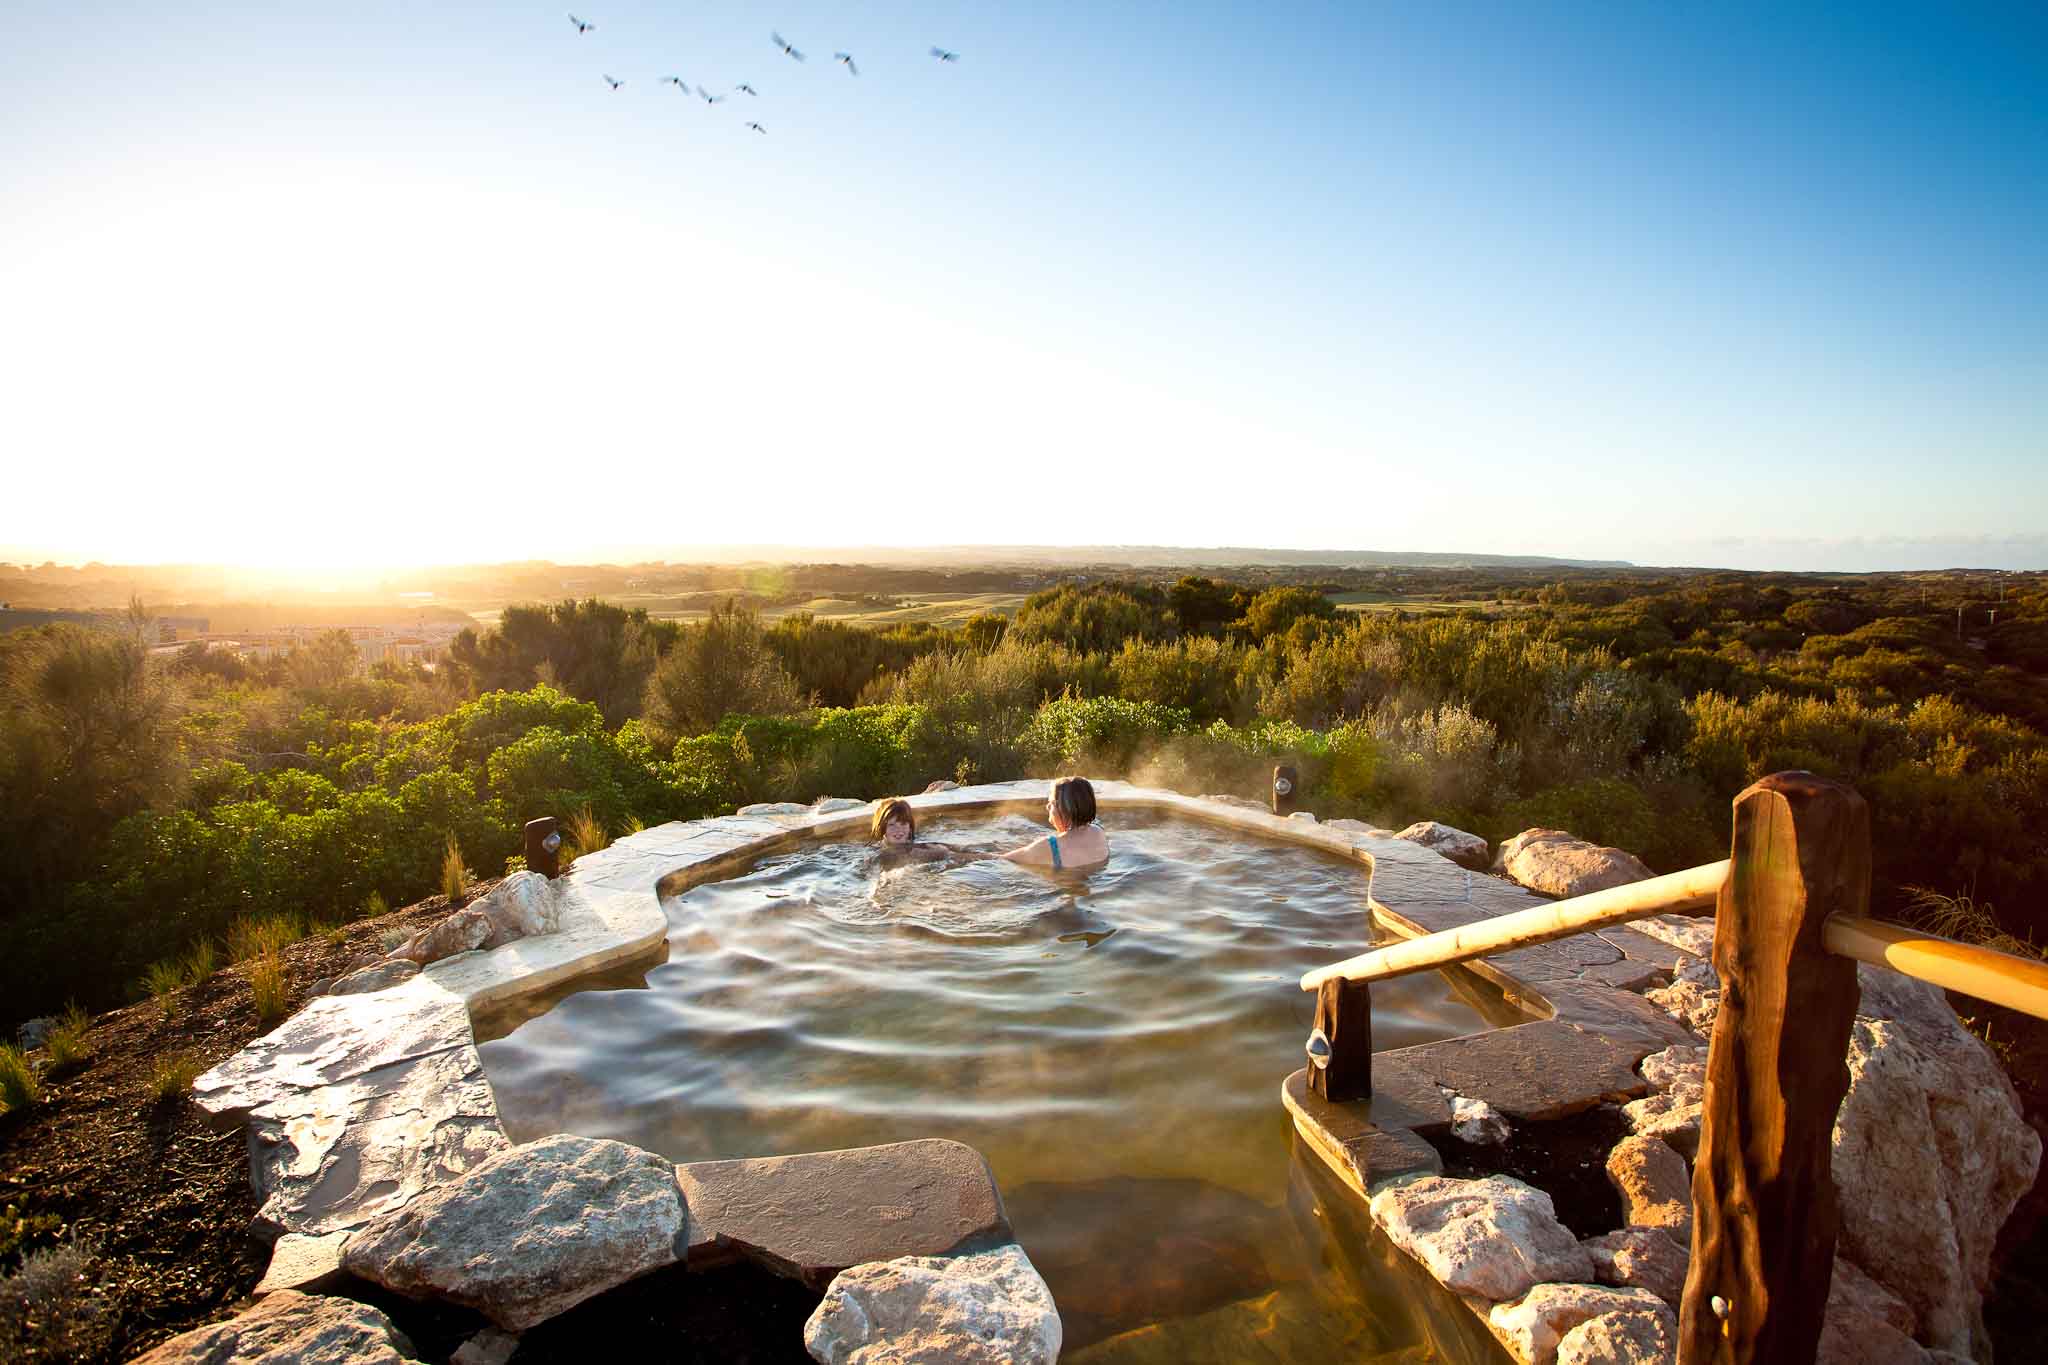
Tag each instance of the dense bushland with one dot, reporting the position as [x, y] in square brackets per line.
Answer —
[154, 806]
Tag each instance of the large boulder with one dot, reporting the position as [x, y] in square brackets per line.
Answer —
[1642, 1258]
[1930, 1155]
[1533, 1325]
[1654, 1185]
[1491, 1238]
[1555, 863]
[813, 1215]
[1638, 1336]
[1466, 850]
[290, 1328]
[523, 905]
[983, 1308]
[530, 1232]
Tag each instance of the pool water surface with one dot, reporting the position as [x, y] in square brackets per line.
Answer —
[1113, 1042]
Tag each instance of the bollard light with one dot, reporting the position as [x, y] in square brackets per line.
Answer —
[1285, 782]
[544, 847]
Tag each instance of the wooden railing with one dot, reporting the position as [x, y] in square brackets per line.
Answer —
[1789, 923]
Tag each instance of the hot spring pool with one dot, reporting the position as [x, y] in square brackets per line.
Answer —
[1113, 1042]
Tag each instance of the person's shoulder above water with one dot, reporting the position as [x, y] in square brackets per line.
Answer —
[1076, 840]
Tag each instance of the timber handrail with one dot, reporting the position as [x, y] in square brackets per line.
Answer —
[1692, 889]
[2018, 983]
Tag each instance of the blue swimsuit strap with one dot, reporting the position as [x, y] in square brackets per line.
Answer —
[1054, 841]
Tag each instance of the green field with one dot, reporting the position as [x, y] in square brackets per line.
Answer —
[946, 609]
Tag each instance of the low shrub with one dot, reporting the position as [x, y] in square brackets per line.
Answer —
[47, 1309]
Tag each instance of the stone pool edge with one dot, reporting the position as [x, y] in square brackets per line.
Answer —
[358, 1104]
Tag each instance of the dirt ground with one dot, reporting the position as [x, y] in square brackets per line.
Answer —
[161, 1201]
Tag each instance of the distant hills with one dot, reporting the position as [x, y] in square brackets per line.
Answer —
[1132, 556]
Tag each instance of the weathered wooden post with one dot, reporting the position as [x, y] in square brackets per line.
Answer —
[1286, 782]
[1341, 1069]
[1764, 1211]
[544, 847]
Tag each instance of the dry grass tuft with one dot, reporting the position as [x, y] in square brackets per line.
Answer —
[1967, 919]
[20, 1087]
[66, 1041]
[267, 988]
[252, 938]
[455, 874]
[172, 1076]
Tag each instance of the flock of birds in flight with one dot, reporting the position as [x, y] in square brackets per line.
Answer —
[845, 59]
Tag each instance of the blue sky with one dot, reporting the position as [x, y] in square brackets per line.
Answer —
[1728, 285]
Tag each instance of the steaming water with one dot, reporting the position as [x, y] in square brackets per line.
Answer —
[1113, 1042]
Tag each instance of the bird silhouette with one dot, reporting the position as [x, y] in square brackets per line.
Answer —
[614, 83]
[678, 82]
[944, 55]
[709, 98]
[748, 88]
[581, 27]
[757, 127]
[845, 59]
[783, 43]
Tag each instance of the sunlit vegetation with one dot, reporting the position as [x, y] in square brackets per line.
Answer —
[267, 987]
[20, 1087]
[163, 807]
[66, 1041]
[171, 1077]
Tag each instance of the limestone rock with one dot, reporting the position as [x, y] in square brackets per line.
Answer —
[1533, 1324]
[488, 1347]
[774, 808]
[1349, 826]
[942, 785]
[813, 1215]
[1692, 934]
[334, 1038]
[1654, 1184]
[335, 1157]
[1307, 817]
[290, 1328]
[1930, 1155]
[831, 805]
[1853, 1337]
[1669, 1119]
[1673, 1113]
[1559, 864]
[1850, 1289]
[1640, 1336]
[1466, 850]
[462, 932]
[521, 906]
[1492, 1238]
[531, 1232]
[1693, 998]
[1478, 1122]
[1242, 803]
[33, 1031]
[982, 1308]
[363, 980]
[1642, 1258]
[300, 1262]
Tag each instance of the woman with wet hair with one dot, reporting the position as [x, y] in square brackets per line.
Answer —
[1076, 840]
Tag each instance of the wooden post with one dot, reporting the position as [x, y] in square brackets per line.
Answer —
[1344, 1018]
[1764, 1211]
[543, 847]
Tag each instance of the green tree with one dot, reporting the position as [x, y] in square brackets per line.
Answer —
[718, 668]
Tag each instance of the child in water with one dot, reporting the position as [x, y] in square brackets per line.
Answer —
[895, 829]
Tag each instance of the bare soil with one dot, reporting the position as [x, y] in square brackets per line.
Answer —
[161, 1200]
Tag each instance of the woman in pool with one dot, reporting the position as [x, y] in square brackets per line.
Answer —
[1076, 840]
